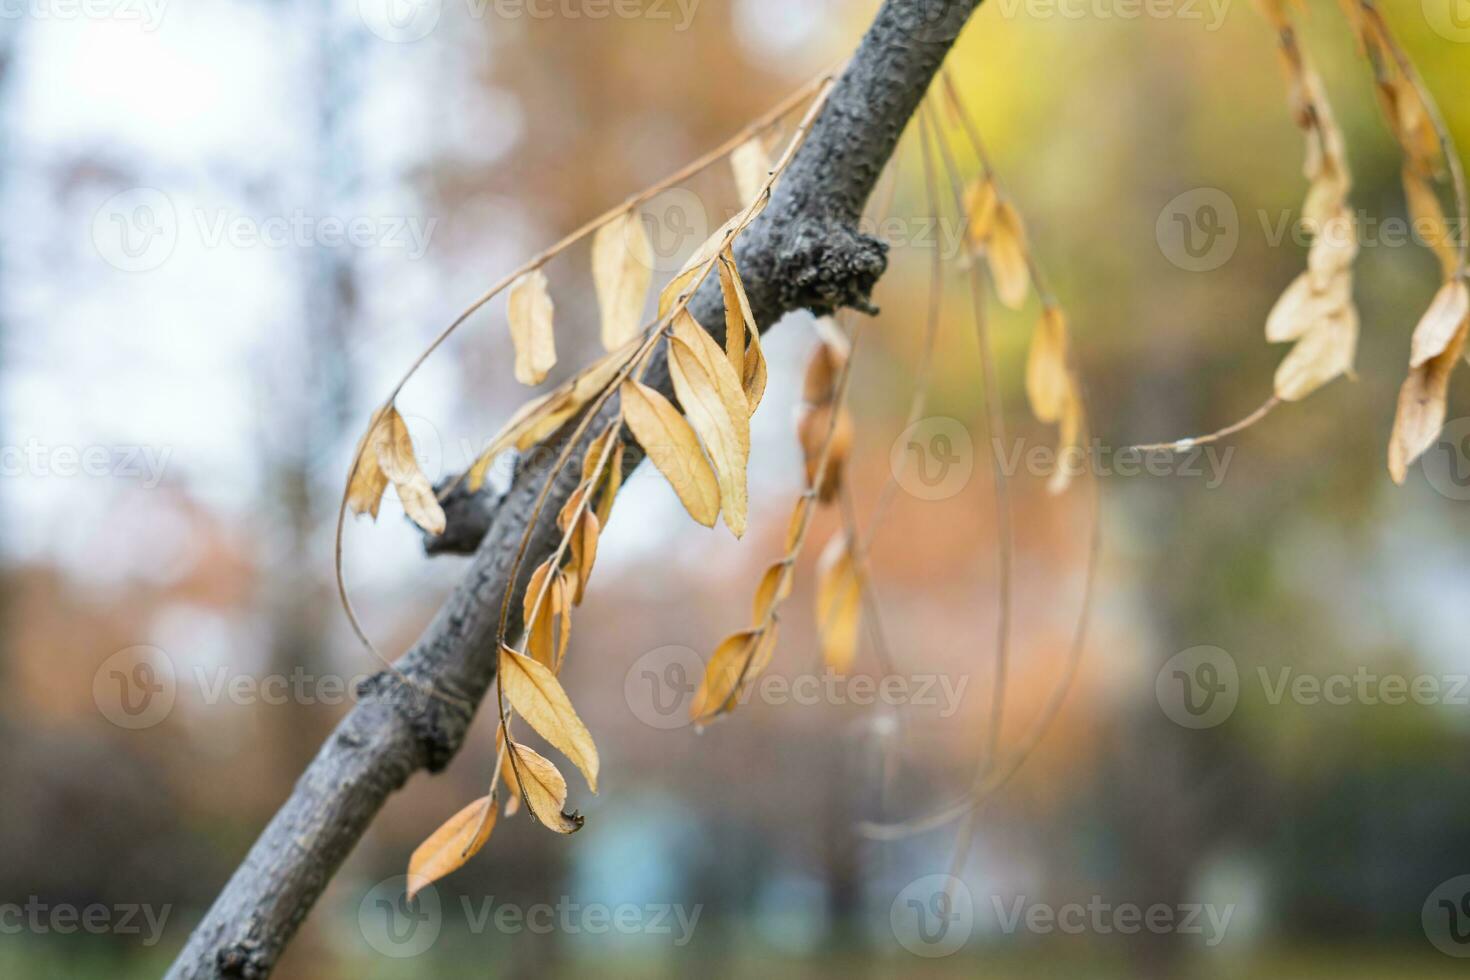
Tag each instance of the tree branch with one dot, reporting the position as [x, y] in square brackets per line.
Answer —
[804, 252]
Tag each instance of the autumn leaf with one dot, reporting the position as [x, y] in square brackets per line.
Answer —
[1048, 380]
[1443, 320]
[542, 416]
[1422, 408]
[544, 789]
[752, 167]
[838, 610]
[737, 661]
[622, 270]
[1326, 352]
[368, 482]
[711, 247]
[980, 208]
[1430, 224]
[548, 625]
[584, 553]
[1304, 305]
[537, 696]
[774, 588]
[393, 450]
[447, 849]
[531, 332]
[715, 405]
[812, 428]
[1006, 253]
[671, 445]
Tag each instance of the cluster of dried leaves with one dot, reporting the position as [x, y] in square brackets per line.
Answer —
[1317, 311]
[700, 440]
[1430, 162]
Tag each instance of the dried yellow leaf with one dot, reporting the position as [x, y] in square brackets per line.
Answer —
[1048, 379]
[813, 425]
[365, 488]
[735, 664]
[549, 623]
[1441, 322]
[531, 332]
[447, 849]
[1422, 408]
[537, 696]
[1430, 224]
[774, 588]
[671, 445]
[393, 448]
[1303, 306]
[838, 604]
[1006, 252]
[1324, 353]
[714, 402]
[622, 270]
[752, 167]
[544, 789]
[980, 209]
[542, 416]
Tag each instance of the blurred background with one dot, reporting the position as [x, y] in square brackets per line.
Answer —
[231, 224]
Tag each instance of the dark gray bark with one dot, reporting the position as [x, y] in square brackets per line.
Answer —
[804, 252]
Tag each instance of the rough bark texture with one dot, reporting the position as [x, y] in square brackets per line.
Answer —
[804, 252]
